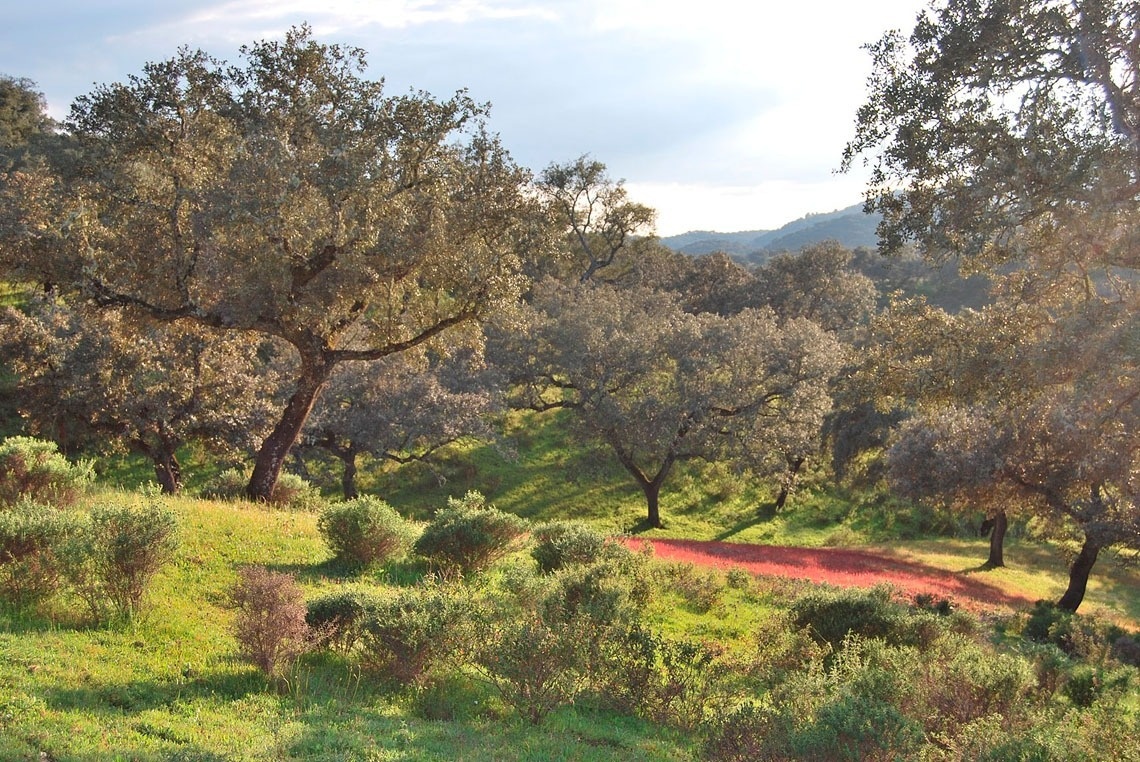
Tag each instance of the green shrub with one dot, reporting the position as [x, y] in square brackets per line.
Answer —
[560, 544]
[412, 633]
[293, 493]
[613, 593]
[468, 536]
[365, 531]
[112, 558]
[270, 625]
[35, 470]
[337, 619]
[227, 485]
[31, 536]
[536, 666]
[832, 614]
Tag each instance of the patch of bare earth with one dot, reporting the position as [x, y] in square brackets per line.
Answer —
[841, 567]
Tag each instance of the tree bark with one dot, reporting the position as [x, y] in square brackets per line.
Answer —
[997, 540]
[1079, 575]
[168, 472]
[271, 457]
[652, 492]
[794, 466]
[348, 476]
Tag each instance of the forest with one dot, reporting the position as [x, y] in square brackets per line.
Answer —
[333, 433]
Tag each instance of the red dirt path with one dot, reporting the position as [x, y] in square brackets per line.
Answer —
[841, 567]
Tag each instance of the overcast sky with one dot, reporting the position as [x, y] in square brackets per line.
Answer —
[721, 114]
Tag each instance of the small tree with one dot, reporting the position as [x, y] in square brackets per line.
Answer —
[468, 535]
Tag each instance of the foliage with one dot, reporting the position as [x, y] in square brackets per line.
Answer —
[402, 408]
[468, 535]
[270, 627]
[834, 614]
[659, 386]
[337, 619]
[284, 195]
[365, 531]
[111, 559]
[419, 630]
[35, 470]
[559, 544]
[99, 379]
[291, 492]
[31, 536]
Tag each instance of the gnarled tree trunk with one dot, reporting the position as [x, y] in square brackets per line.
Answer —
[1079, 575]
[997, 526]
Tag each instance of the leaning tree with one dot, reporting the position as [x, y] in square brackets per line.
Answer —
[1008, 135]
[287, 196]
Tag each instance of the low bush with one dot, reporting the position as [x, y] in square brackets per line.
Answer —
[365, 531]
[291, 492]
[336, 620]
[227, 485]
[31, 536]
[34, 469]
[111, 559]
[833, 614]
[468, 536]
[270, 626]
[417, 630]
[559, 544]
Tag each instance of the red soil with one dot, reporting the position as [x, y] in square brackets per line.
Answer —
[841, 567]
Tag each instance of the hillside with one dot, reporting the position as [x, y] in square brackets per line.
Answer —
[851, 226]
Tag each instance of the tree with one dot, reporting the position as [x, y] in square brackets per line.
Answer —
[1009, 134]
[595, 214]
[660, 386]
[288, 197]
[819, 284]
[402, 408]
[23, 121]
[96, 378]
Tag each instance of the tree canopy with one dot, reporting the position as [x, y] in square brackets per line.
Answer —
[287, 196]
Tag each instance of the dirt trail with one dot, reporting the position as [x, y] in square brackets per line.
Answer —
[842, 567]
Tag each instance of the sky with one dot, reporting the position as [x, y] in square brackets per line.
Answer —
[723, 115]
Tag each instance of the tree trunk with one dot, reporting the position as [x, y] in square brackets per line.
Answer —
[348, 476]
[794, 466]
[997, 540]
[168, 472]
[275, 448]
[652, 492]
[1079, 575]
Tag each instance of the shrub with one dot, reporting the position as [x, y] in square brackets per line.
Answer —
[560, 544]
[35, 470]
[413, 632]
[365, 531]
[228, 485]
[536, 666]
[831, 615]
[30, 538]
[293, 493]
[468, 536]
[337, 619]
[270, 625]
[111, 559]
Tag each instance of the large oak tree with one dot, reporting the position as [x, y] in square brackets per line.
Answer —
[286, 195]
[1008, 134]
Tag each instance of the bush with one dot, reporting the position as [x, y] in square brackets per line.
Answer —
[270, 625]
[30, 538]
[410, 634]
[337, 619]
[831, 615]
[536, 666]
[290, 493]
[468, 536]
[111, 559]
[293, 493]
[365, 531]
[568, 543]
[35, 470]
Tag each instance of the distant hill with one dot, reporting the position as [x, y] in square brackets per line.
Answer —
[851, 227]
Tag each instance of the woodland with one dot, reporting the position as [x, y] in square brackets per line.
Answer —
[276, 343]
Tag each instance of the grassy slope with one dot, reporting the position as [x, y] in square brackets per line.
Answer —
[170, 686]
